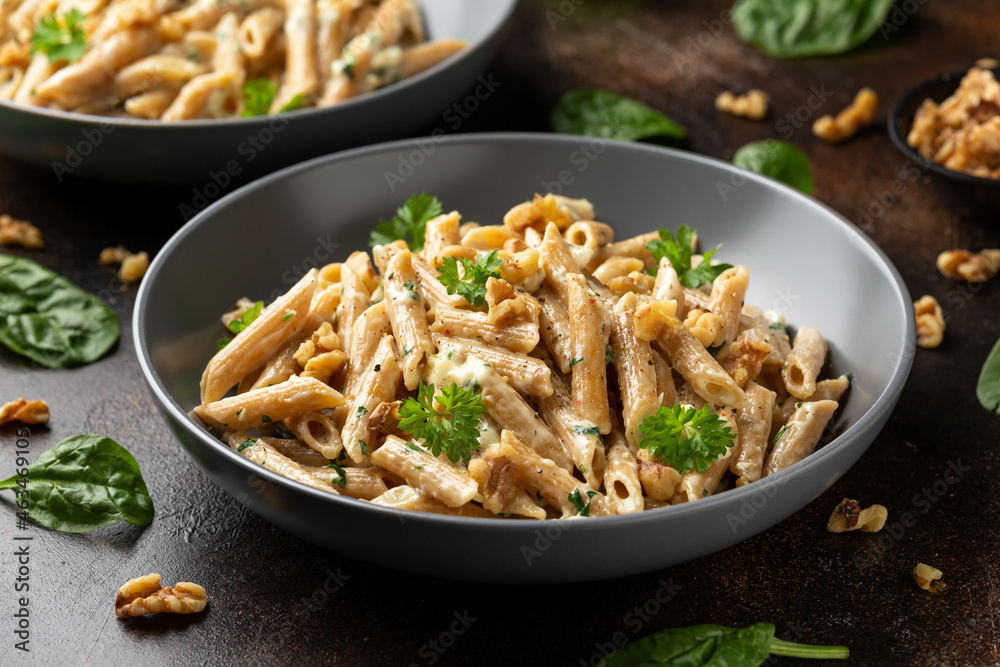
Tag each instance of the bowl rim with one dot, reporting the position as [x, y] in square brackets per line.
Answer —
[248, 121]
[897, 133]
[881, 408]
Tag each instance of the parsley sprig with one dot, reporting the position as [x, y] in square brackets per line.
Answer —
[258, 94]
[242, 322]
[678, 251]
[66, 41]
[685, 438]
[411, 218]
[447, 423]
[470, 283]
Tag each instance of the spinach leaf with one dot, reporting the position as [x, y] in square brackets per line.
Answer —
[779, 160]
[714, 645]
[50, 320]
[84, 483]
[595, 112]
[988, 387]
[801, 28]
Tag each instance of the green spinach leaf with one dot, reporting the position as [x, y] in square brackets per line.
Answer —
[595, 112]
[714, 645]
[779, 160]
[988, 387]
[50, 320]
[83, 483]
[801, 28]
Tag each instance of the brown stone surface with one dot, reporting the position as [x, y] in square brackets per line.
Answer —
[817, 587]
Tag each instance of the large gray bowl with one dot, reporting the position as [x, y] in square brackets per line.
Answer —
[804, 260]
[213, 153]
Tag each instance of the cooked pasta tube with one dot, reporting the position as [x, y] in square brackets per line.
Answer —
[666, 389]
[257, 407]
[257, 30]
[420, 57]
[804, 362]
[729, 290]
[579, 437]
[636, 370]
[621, 478]
[296, 450]
[503, 403]
[668, 286]
[251, 347]
[408, 498]
[526, 374]
[515, 336]
[832, 390]
[700, 369]
[589, 331]
[557, 262]
[800, 435]
[318, 431]
[441, 232]
[364, 483]
[369, 329]
[547, 481]
[301, 76]
[269, 457]
[424, 471]
[355, 297]
[378, 385]
[753, 425]
[282, 365]
[408, 317]
[554, 329]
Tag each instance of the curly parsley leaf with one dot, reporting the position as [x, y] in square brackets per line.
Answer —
[411, 218]
[685, 438]
[66, 41]
[678, 251]
[447, 423]
[470, 282]
[245, 320]
[258, 95]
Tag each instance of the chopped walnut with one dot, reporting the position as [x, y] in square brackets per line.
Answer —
[320, 355]
[658, 480]
[744, 359]
[752, 105]
[243, 304]
[384, 419]
[652, 318]
[848, 516]
[145, 595]
[506, 303]
[928, 577]
[622, 285]
[703, 325]
[24, 411]
[930, 321]
[538, 213]
[134, 267]
[850, 120]
[963, 132]
[974, 268]
[20, 232]
[113, 255]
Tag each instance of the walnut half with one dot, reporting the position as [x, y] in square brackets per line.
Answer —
[930, 321]
[24, 411]
[974, 268]
[145, 595]
[850, 120]
[848, 516]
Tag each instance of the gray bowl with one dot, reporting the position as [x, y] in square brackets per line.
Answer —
[804, 260]
[215, 153]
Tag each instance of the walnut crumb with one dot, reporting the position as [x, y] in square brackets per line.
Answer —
[973, 268]
[133, 265]
[850, 120]
[20, 232]
[848, 516]
[753, 105]
[928, 578]
[145, 595]
[24, 411]
[930, 321]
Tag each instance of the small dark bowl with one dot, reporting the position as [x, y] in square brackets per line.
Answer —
[938, 89]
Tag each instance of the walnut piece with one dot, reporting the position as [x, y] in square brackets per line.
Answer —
[384, 419]
[963, 132]
[145, 595]
[20, 232]
[927, 578]
[850, 120]
[653, 318]
[539, 212]
[703, 325]
[848, 516]
[24, 411]
[974, 268]
[744, 359]
[930, 321]
[320, 355]
[133, 265]
[506, 303]
[753, 105]
[113, 255]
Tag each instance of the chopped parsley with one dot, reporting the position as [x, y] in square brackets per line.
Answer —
[582, 508]
[580, 429]
[249, 442]
[781, 432]
[339, 478]
[360, 412]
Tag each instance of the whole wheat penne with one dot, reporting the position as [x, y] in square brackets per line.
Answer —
[579, 437]
[527, 375]
[408, 316]
[636, 370]
[251, 347]
[800, 435]
[353, 300]
[256, 407]
[318, 431]
[420, 57]
[689, 358]
[257, 30]
[406, 497]
[804, 362]
[728, 292]
[368, 331]
[557, 262]
[621, 479]
[378, 385]
[589, 331]
[554, 329]
[753, 425]
[441, 232]
[301, 74]
[666, 389]
[272, 459]
[364, 483]
[296, 450]
[516, 336]
[424, 471]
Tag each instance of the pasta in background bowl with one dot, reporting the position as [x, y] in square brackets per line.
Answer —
[765, 226]
[395, 71]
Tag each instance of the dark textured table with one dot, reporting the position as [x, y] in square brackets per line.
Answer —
[276, 599]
